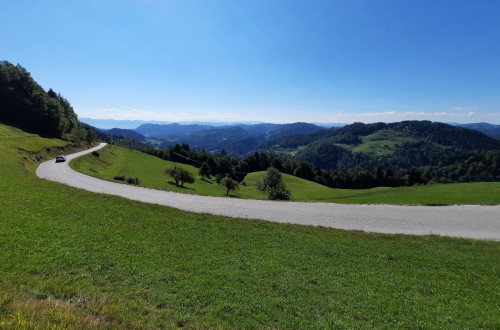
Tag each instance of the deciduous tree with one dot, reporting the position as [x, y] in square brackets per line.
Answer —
[180, 175]
[229, 184]
[204, 170]
[273, 184]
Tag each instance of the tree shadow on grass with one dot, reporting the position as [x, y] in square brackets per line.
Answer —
[179, 186]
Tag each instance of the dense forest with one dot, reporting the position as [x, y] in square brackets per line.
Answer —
[400, 145]
[25, 104]
[471, 168]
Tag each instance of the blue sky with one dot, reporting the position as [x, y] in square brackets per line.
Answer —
[273, 61]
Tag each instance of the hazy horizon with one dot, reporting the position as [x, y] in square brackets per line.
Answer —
[132, 124]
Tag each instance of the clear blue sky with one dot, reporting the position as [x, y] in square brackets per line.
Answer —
[263, 60]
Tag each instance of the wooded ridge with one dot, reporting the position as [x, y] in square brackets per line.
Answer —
[25, 104]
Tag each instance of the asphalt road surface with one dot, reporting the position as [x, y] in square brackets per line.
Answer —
[471, 221]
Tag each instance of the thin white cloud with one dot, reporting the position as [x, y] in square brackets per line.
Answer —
[378, 114]
[367, 114]
[470, 108]
[393, 116]
[214, 114]
[409, 113]
[140, 114]
[109, 110]
[454, 114]
[267, 115]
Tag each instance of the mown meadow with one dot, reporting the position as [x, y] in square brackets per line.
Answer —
[114, 160]
[75, 259]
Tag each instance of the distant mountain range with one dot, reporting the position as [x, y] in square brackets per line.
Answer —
[287, 139]
[153, 128]
[238, 139]
[488, 129]
[106, 124]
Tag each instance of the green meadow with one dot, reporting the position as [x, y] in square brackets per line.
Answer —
[75, 259]
[115, 160]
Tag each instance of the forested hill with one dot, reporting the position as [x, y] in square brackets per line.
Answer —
[488, 129]
[25, 104]
[396, 145]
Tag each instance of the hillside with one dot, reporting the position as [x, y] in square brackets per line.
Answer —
[168, 130]
[115, 160]
[488, 129]
[237, 140]
[125, 133]
[25, 104]
[396, 145]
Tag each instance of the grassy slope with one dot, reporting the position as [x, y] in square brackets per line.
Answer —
[115, 160]
[71, 258]
[150, 170]
[383, 142]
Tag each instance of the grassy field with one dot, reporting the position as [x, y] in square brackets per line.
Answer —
[150, 170]
[383, 142]
[115, 160]
[75, 259]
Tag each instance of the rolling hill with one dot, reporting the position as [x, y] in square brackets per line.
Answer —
[125, 133]
[396, 145]
[114, 160]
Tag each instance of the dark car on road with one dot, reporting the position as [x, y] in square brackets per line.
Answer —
[60, 159]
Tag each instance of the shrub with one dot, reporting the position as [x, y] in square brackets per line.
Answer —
[180, 175]
[95, 153]
[279, 194]
[229, 184]
[119, 177]
[273, 184]
[133, 180]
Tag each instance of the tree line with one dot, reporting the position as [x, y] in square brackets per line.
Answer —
[26, 105]
[469, 168]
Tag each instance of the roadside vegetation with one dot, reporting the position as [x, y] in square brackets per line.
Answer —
[75, 259]
[115, 160]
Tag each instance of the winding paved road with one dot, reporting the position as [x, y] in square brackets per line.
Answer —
[471, 221]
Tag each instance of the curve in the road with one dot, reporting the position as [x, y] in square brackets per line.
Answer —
[471, 221]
